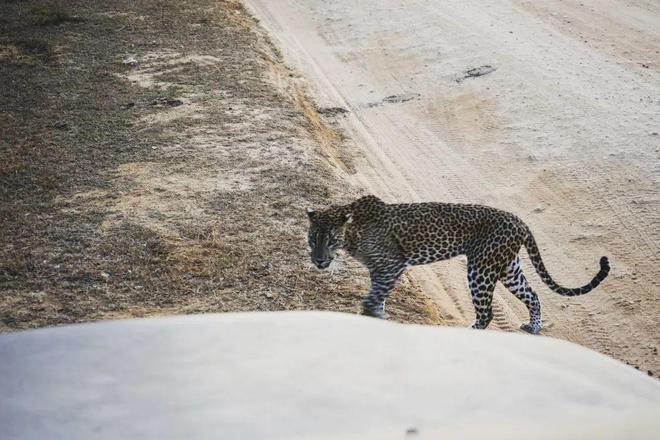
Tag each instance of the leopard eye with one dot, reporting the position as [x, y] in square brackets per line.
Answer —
[333, 241]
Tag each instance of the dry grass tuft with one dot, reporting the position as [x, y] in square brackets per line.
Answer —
[50, 14]
[31, 50]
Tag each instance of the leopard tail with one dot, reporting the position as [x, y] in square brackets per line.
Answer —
[535, 256]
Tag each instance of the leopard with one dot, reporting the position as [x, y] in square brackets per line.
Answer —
[387, 238]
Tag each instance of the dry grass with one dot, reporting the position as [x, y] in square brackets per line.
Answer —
[114, 203]
[48, 14]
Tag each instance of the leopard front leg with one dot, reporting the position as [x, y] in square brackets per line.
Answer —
[382, 282]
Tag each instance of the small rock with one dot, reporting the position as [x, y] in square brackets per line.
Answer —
[163, 101]
[476, 72]
[404, 97]
[130, 61]
[332, 111]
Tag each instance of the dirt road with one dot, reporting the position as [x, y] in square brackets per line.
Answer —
[548, 109]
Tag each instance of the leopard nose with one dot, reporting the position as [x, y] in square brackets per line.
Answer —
[321, 263]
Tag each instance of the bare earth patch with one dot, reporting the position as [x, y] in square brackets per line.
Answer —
[157, 158]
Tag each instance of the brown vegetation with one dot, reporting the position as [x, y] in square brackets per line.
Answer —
[149, 164]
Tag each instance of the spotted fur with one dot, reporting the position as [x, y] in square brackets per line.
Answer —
[387, 238]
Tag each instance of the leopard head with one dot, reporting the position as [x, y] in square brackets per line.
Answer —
[326, 235]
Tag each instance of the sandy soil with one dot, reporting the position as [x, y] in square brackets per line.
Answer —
[558, 124]
[157, 157]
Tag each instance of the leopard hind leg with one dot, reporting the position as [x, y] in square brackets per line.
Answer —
[481, 281]
[515, 281]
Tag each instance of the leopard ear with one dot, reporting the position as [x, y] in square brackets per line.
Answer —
[311, 214]
[348, 218]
